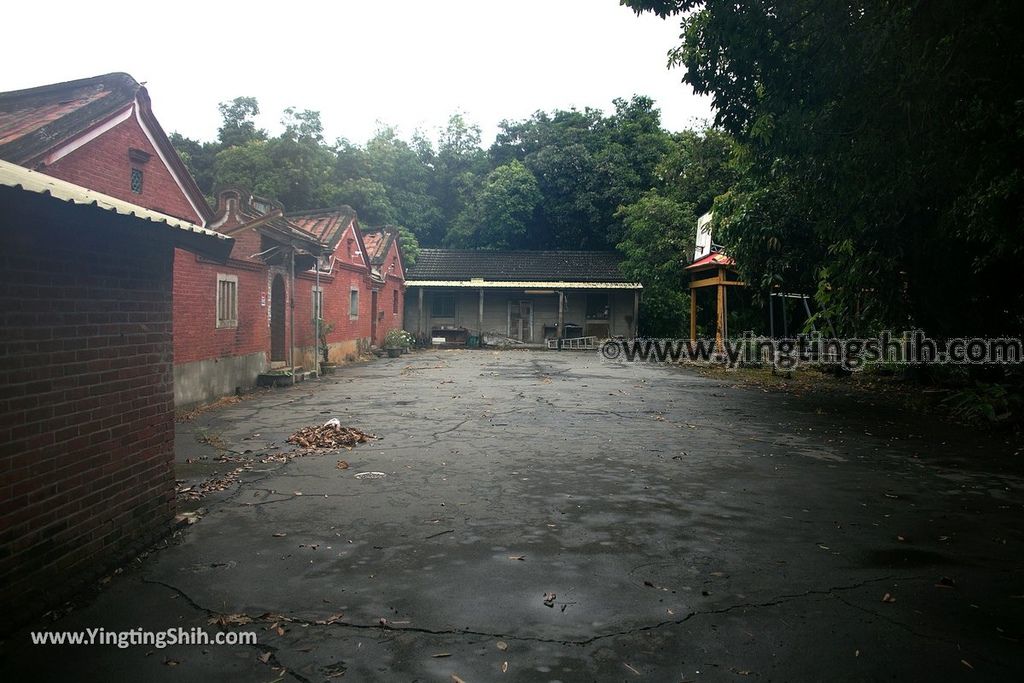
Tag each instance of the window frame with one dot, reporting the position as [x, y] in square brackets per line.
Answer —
[607, 306]
[353, 298]
[438, 297]
[230, 321]
[394, 302]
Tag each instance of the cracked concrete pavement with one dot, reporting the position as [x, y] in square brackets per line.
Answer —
[689, 529]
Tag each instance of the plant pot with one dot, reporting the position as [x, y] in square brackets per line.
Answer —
[394, 353]
[327, 368]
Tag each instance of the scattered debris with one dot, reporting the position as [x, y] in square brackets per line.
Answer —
[371, 475]
[188, 416]
[439, 533]
[333, 619]
[280, 534]
[187, 517]
[329, 436]
[549, 599]
[502, 645]
[504, 667]
[441, 654]
[888, 598]
[521, 558]
[631, 669]
[946, 582]
[342, 465]
[456, 679]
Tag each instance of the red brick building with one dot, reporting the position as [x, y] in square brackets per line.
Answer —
[389, 275]
[235, 320]
[87, 430]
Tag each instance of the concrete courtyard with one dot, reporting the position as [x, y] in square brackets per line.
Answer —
[688, 528]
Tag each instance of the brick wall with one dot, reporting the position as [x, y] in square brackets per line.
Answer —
[103, 165]
[86, 438]
[196, 336]
[336, 288]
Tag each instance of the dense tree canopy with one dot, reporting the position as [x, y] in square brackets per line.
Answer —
[557, 180]
[881, 152]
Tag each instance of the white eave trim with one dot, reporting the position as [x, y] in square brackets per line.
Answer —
[88, 137]
[522, 284]
[167, 164]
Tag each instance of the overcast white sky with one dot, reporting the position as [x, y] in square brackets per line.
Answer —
[409, 63]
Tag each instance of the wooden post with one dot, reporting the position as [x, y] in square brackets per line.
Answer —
[419, 315]
[720, 318]
[636, 312]
[480, 329]
[693, 315]
[561, 311]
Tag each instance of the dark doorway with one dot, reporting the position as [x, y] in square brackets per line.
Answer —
[278, 352]
[373, 317]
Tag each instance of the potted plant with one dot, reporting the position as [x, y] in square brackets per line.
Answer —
[326, 366]
[408, 339]
[394, 341]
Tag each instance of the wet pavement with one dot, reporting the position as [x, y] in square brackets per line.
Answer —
[541, 516]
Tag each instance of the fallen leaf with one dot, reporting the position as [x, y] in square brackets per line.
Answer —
[280, 535]
[549, 599]
[265, 657]
[888, 598]
[504, 667]
[342, 465]
[521, 558]
[966, 663]
[631, 669]
[175, 662]
[456, 679]
[502, 645]
[441, 654]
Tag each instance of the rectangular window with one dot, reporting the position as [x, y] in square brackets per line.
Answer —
[137, 181]
[353, 304]
[442, 306]
[227, 301]
[394, 301]
[318, 303]
[597, 306]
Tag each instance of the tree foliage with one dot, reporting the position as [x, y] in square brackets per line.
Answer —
[881, 144]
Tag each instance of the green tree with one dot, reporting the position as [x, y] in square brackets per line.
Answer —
[658, 241]
[884, 139]
[237, 125]
[502, 213]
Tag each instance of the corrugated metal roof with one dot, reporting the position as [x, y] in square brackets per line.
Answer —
[522, 284]
[18, 177]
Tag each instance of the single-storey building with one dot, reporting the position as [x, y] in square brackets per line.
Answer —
[519, 297]
[86, 366]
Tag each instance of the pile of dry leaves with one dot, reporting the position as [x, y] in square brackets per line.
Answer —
[330, 436]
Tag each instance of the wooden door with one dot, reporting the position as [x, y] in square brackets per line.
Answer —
[373, 316]
[520, 320]
[278, 306]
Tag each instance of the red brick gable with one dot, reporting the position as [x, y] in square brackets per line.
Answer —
[104, 164]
